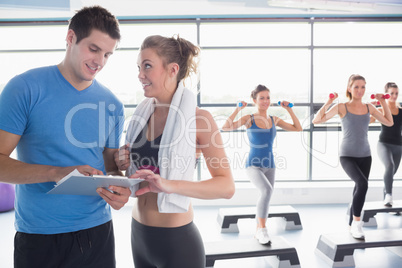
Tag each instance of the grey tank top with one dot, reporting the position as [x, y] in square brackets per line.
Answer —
[355, 134]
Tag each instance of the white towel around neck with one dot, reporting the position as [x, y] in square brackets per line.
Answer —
[176, 157]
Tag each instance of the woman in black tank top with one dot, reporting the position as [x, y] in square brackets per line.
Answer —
[389, 145]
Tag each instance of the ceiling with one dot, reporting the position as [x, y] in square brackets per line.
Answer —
[11, 10]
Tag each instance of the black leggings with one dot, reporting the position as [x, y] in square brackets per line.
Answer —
[158, 247]
[358, 169]
[390, 155]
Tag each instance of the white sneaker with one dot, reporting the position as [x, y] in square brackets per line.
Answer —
[388, 200]
[356, 230]
[262, 236]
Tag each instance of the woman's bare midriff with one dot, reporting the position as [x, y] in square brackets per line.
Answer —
[145, 211]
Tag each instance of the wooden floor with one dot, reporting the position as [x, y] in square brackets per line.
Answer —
[316, 220]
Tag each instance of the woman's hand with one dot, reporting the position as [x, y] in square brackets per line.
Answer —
[156, 184]
[286, 104]
[230, 123]
[325, 113]
[333, 96]
[379, 96]
[375, 103]
[242, 106]
[122, 157]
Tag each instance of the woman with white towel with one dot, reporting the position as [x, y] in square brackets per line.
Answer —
[166, 135]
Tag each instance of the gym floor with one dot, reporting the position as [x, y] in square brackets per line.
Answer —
[316, 220]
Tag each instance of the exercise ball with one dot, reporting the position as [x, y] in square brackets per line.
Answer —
[7, 196]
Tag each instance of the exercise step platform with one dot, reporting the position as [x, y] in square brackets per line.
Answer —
[371, 209]
[247, 248]
[337, 249]
[228, 217]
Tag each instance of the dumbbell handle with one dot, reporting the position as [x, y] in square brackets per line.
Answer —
[385, 96]
[290, 105]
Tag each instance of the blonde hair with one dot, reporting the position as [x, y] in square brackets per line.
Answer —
[177, 50]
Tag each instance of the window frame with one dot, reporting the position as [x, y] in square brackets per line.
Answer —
[198, 22]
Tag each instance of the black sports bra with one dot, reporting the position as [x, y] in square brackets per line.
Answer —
[144, 153]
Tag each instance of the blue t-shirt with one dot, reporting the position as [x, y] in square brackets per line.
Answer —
[261, 141]
[59, 126]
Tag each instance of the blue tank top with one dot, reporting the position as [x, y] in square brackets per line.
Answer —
[355, 135]
[392, 135]
[261, 141]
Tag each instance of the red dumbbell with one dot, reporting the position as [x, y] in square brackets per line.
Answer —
[385, 96]
[331, 95]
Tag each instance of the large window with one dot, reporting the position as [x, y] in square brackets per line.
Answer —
[299, 60]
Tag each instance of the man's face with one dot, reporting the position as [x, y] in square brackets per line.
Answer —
[89, 56]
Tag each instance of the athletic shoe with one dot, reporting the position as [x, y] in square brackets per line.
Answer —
[262, 236]
[356, 230]
[388, 200]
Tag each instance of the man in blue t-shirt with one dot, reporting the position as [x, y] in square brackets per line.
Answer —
[59, 118]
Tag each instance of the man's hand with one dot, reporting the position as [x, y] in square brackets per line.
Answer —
[88, 170]
[115, 196]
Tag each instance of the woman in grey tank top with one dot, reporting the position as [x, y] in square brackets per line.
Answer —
[355, 155]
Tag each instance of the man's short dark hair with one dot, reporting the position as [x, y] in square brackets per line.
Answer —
[95, 17]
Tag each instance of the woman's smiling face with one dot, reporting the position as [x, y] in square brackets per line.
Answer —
[358, 88]
[393, 92]
[263, 99]
[152, 72]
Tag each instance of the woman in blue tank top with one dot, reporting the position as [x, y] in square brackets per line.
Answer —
[389, 145]
[355, 155]
[261, 131]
